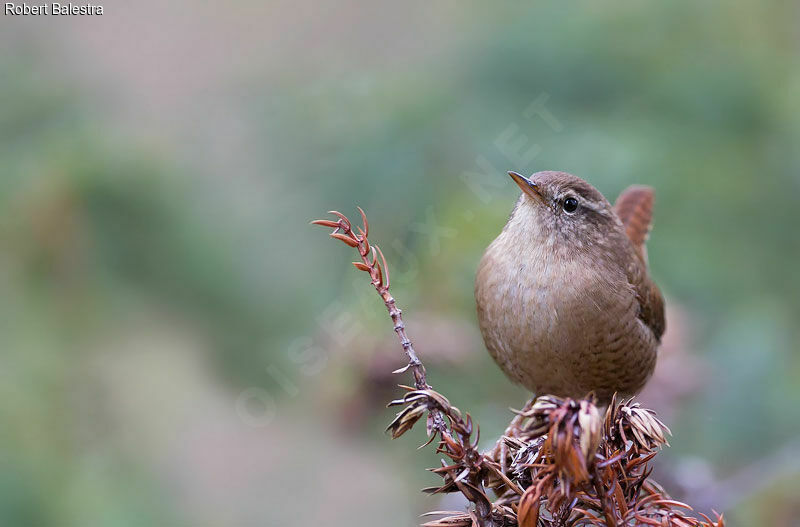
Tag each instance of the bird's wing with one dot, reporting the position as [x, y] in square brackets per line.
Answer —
[635, 208]
[651, 305]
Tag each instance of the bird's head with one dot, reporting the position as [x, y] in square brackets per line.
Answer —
[562, 207]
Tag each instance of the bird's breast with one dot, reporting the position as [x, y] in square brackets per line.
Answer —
[548, 318]
[526, 297]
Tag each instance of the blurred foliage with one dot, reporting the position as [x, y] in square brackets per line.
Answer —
[101, 231]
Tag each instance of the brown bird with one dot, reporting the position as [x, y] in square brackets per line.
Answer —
[565, 302]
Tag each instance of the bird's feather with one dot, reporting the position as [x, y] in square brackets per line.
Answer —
[635, 208]
[651, 306]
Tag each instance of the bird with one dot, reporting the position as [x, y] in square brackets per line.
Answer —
[565, 302]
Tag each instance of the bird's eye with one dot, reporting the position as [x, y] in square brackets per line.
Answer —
[570, 205]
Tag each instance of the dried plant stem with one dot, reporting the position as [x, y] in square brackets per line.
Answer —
[420, 380]
[379, 274]
[455, 440]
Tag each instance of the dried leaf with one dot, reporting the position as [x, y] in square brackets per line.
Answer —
[326, 223]
[405, 420]
[365, 222]
[590, 424]
[344, 221]
[456, 520]
[403, 369]
[344, 238]
[648, 521]
[384, 266]
[528, 509]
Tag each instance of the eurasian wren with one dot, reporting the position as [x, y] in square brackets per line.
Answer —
[565, 301]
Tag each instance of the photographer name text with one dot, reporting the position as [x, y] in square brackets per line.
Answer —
[51, 9]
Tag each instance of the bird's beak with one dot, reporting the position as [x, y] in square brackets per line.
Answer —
[528, 187]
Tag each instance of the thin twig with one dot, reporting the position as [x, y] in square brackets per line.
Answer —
[379, 273]
[456, 441]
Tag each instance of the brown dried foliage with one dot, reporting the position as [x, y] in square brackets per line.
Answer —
[559, 463]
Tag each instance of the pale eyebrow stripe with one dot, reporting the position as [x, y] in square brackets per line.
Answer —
[581, 199]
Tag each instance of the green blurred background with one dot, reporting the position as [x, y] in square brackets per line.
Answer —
[180, 348]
